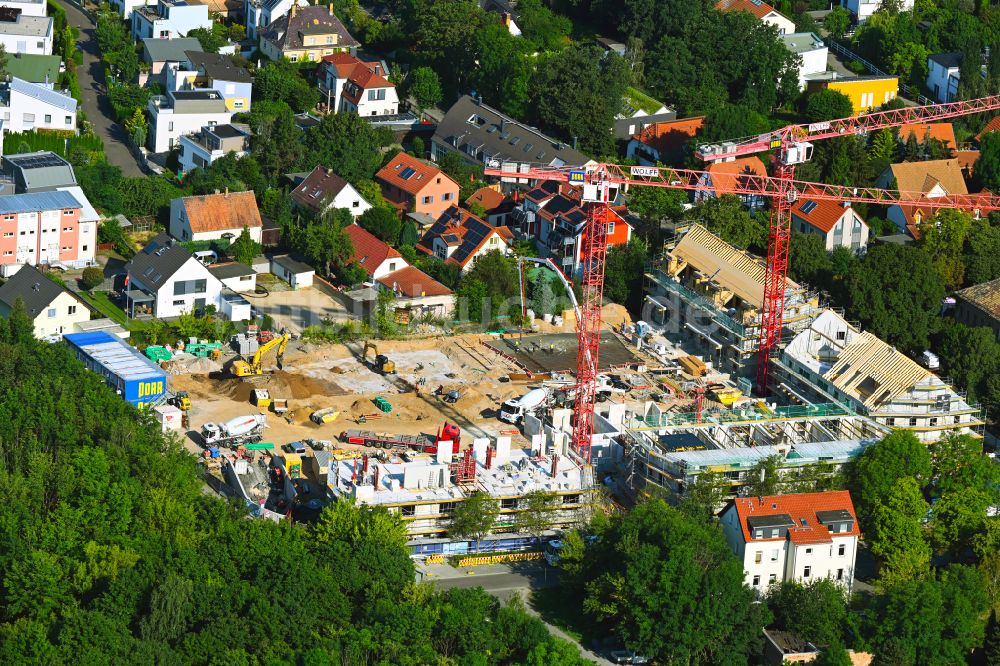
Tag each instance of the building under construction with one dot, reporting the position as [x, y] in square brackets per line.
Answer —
[665, 453]
[425, 490]
[707, 295]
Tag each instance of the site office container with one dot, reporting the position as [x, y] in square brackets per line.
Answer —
[125, 370]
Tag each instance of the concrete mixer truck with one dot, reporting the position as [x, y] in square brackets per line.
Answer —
[232, 433]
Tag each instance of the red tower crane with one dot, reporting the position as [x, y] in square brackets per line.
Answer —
[792, 146]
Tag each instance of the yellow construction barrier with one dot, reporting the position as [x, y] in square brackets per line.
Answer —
[435, 559]
[499, 559]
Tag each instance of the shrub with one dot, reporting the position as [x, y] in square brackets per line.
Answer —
[91, 278]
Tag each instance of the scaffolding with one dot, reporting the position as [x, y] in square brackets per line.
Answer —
[759, 413]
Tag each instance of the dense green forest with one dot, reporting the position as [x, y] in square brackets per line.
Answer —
[111, 552]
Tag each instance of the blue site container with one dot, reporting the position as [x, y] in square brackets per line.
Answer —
[214, 452]
[126, 371]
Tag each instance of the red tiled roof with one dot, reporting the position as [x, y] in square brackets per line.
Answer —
[992, 126]
[823, 215]
[725, 175]
[760, 10]
[222, 212]
[799, 507]
[456, 222]
[369, 251]
[671, 135]
[319, 186]
[414, 283]
[966, 161]
[943, 132]
[487, 197]
[423, 173]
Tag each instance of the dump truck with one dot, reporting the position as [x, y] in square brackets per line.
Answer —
[279, 405]
[325, 415]
[385, 440]
[232, 433]
[513, 410]
[261, 398]
[380, 363]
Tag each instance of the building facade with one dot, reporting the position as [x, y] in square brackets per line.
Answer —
[168, 19]
[26, 106]
[839, 225]
[212, 143]
[348, 84]
[23, 33]
[865, 92]
[53, 309]
[210, 217]
[45, 228]
[943, 75]
[184, 112]
[306, 33]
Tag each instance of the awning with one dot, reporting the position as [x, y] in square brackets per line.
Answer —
[137, 296]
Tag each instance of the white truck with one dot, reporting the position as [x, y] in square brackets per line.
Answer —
[232, 433]
[514, 410]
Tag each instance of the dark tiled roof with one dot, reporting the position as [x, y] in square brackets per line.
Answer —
[286, 31]
[34, 289]
[319, 186]
[157, 262]
[219, 66]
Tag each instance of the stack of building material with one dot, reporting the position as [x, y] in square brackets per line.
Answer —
[246, 344]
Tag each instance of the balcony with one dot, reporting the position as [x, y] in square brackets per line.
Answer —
[696, 300]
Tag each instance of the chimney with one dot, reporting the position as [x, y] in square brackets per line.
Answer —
[489, 457]
[574, 143]
[555, 465]
[330, 7]
[227, 191]
[503, 125]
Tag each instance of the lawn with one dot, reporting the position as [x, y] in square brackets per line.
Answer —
[102, 303]
[550, 603]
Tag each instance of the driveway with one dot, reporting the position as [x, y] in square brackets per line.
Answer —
[295, 310]
[93, 91]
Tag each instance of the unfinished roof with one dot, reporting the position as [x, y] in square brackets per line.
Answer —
[222, 212]
[735, 270]
[921, 177]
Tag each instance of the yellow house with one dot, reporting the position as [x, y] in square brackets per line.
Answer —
[865, 92]
[306, 33]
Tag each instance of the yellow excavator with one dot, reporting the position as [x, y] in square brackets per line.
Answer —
[243, 368]
[380, 362]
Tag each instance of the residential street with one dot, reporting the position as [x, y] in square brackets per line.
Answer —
[95, 101]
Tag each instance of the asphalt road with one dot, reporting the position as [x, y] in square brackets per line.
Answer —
[94, 96]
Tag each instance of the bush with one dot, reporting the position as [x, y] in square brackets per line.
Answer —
[91, 278]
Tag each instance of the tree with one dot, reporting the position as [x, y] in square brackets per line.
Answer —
[991, 648]
[209, 40]
[623, 269]
[503, 76]
[425, 88]
[3, 61]
[542, 296]
[702, 498]
[879, 467]
[474, 517]
[727, 121]
[542, 27]
[727, 217]
[382, 223]
[837, 21]
[883, 149]
[408, 234]
[982, 252]
[578, 93]
[91, 278]
[896, 533]
[244, 248]
[277, 144]
[901, 312]
[279, 80]
[971, 357]
[827, 104]
[644, 588]
[348, 144]
[943, 238]
[535, 514]
[816, 612]
[987, 166]
[490, 288]
[443, 33]
[653, 204]
[808, 260]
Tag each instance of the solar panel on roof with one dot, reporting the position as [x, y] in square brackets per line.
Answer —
[808, 207]
[407, 173]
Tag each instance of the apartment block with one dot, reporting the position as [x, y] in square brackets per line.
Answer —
[182, 112]
[45, 228]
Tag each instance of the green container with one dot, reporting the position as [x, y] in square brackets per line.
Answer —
[156, 353]
[259, 446]
[382, 404]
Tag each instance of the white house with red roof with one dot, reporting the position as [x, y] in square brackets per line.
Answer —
[724, 177]
[763, 11]
[349, 84]
[372, 254]
[837, 223]
[801, 537]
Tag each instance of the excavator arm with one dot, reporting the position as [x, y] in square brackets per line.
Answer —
[280, 342]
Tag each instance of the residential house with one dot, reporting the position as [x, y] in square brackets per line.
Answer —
[865, 92]
[308, 33]
[236, 276]
[507, 12]
[482, 135]
[812, 52]
[862, 9]
[664, 142]
[723, 177]
[32, 106]
[374, 255]
[126, 7]
[165, 280]
[943, 75]
[261, 13]
[418, 293]
[212, 143]
[763, 11]
[210, 217]
[638, 112]
[992, 126]
[297, 274]
[182, 112]
[322, 190]
[459, 237]
[552, 216]
[27, 7]
[799, 538]
[413, 185]
[45, 228]
[708, 295]
[52, 308]
[42, 70]
[831, 360]
[979, 305]
[837, 223]
[169, 19]
[497, 208]
[916, 181]
[212, 71]
[23, 33]
[39, 171]
[160, 54]
[943, 132]
[349, 84]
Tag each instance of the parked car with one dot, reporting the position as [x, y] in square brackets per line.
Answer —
[627, 657]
